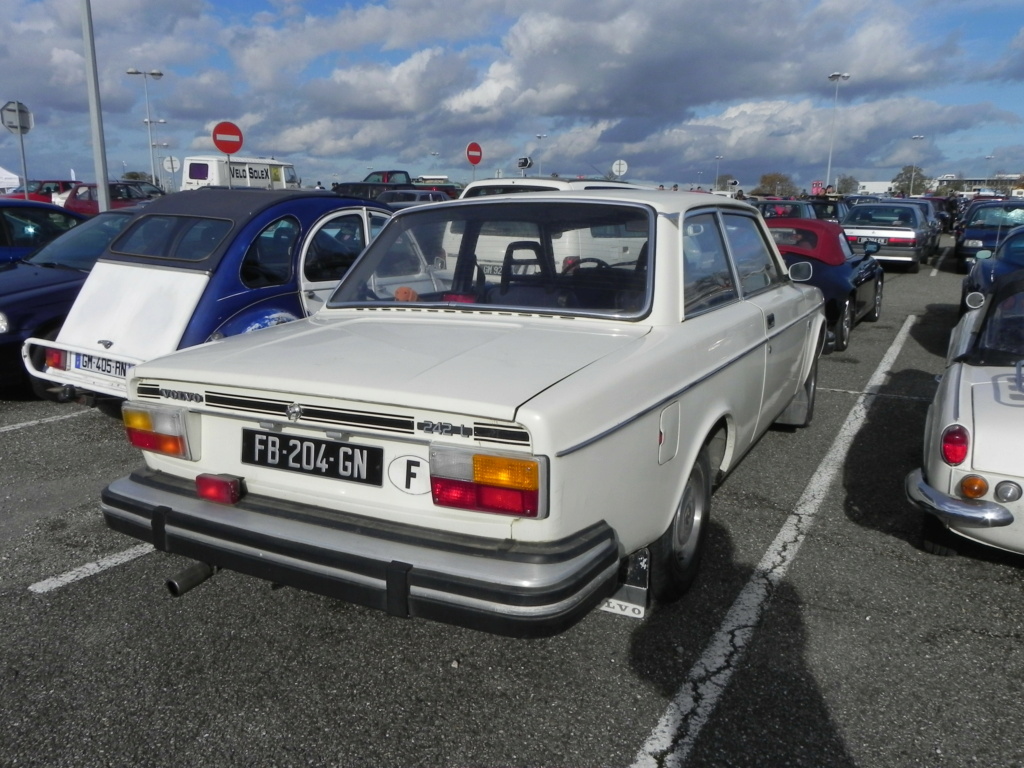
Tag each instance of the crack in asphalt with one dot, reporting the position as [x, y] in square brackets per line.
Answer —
[675, 735]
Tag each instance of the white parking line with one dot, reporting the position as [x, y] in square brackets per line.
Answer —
[48, 585]
[36, 422]
[675, 734]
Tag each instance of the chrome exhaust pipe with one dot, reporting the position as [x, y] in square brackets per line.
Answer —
[189, 577]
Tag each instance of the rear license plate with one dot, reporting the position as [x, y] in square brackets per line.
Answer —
[311, 456]
[879, 240]
[103, 365]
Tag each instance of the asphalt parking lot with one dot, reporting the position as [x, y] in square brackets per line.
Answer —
[818, 634]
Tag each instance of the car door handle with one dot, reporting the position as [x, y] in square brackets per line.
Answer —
[771, 319]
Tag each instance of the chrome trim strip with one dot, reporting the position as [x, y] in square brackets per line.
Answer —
[665, 400]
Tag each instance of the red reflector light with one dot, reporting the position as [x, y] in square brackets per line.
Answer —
[56, 358]
[955, 443]
[909, 242]
[223, 489]
[484, 498]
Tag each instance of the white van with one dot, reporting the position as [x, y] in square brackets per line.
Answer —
[213, 171]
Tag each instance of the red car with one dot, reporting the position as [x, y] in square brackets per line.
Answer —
[42, 191]
[83, 198]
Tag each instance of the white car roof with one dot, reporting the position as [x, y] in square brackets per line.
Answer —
[661, 200]
[553, 184]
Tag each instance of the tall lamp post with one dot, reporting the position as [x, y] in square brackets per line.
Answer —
[835, 77]
[913, 167]
[718, 163]
[988, 170]
[156, 74]
[540, 137]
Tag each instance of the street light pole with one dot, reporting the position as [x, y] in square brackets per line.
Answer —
[156, 74]
[540, 137]
[988, 170]
[718, 163]
[835, 77]
[913, 167]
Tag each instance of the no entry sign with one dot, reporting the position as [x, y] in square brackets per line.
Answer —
[227, 137]
[473, 153]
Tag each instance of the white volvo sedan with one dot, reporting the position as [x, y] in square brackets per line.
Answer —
[501, 449]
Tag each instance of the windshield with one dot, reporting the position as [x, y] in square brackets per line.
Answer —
[560, 257]
[80, 247]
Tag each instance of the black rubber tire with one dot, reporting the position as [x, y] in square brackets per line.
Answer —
[937, 539]
[876, 310]
[844, 325]
[914, 267]
[676, 555]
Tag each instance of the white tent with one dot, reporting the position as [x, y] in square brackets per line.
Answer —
[8, 180]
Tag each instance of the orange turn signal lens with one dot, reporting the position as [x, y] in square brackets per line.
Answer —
[973, 486]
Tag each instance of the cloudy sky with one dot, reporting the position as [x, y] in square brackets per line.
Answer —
[668, 86]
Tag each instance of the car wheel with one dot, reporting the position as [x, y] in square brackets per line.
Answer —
[937, 538]
[676, 555]
[41, 387]
[914, 267]
[844, 325]
[876, 309]
[800, 411]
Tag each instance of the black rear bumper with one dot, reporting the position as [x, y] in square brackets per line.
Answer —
[522, 589]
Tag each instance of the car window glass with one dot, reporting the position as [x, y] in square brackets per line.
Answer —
[80, 248]
[751, 254]
[188, 238]
[333, 248]
[707, 281]
[566, 257]
[31, 227]
[268, 260]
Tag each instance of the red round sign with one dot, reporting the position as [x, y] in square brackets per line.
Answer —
[227, 137]
[473, 153]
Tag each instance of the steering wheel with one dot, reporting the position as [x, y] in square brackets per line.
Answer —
[591, 260]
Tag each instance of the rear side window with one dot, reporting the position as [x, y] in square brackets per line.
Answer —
[268, 261]
[199, 171]
[751, 254]
[31, 227]
[186, 238]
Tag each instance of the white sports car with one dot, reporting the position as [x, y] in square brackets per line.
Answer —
[502, 449]
[970, 484]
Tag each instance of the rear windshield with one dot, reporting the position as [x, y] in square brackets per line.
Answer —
[564, 257]
[183, 238]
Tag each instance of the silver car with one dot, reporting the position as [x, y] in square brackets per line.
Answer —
[900, 230]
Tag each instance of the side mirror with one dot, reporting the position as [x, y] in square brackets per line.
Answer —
[801, 272]
[870, 249]
[975, 300]
[983, 254]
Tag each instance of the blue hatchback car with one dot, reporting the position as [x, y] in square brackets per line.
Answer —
[36, 293]
[198, 266]
[991, 265]
[25, 225]
[984, 226]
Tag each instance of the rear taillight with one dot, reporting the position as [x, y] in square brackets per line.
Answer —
[484, 482]
[56, 358]
[157, 428]
[903, 242]
[954, 444]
